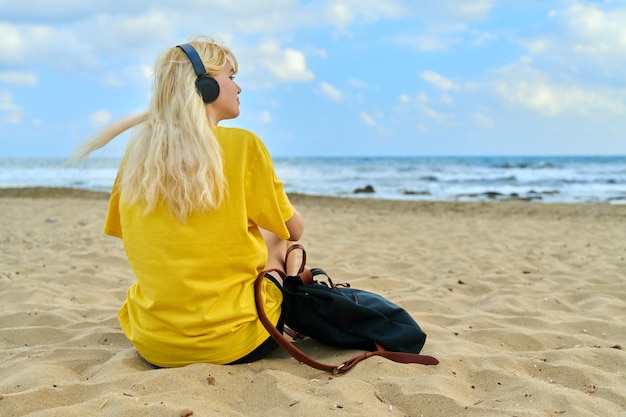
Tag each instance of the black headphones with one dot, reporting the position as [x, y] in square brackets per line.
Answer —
[207, 86]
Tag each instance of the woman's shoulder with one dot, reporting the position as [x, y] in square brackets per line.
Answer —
[239, 138]
[240, 133]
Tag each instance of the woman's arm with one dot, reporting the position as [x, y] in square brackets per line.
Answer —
[295, 225]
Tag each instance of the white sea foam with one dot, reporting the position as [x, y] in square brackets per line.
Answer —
[546, 179]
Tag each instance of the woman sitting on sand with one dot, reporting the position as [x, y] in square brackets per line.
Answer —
[201, 213]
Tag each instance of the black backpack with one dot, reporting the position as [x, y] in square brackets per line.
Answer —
[338, 315]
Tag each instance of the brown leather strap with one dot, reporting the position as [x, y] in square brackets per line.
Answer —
[399, 357]
[277, 336]
[300, 356]
[303, 272]
[291, 248]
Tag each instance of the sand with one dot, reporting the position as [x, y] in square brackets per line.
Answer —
[524, 304]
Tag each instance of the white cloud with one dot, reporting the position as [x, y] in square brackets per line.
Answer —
[537, 46]
[443, 118]
[284, 64]
[438, 80]
[597, 31]
[367, 119]
[97, 36]
[422, 104]
[331, 92]
[482, 38]
[131, 35]
[344, 12]
[111, 79]
[482, 120]
[86, 42]
[265, 117]
[43, 9]
[37, 45]
[473, 10]
[76, 30]
[359, 84]
[447, 99]
[422, 108]
[292, 67]
[425, 42]
[583, 38]
[552, 99]
[340, 14]
[137, 76]
[441, 10]
[524, 86]
[9, 111]
[444, 24]
[100, 118]
[19, 78]
[10, 43]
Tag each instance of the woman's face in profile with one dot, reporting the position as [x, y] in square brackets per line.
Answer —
[226, 106]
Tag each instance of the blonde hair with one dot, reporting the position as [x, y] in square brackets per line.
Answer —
[173, 158]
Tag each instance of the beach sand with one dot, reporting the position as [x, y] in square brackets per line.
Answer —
[524, 305]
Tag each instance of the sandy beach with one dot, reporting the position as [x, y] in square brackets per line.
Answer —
[524, 305]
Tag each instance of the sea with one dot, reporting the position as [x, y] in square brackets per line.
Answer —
[546, 179]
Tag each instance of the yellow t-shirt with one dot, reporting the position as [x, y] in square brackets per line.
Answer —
[193, 300]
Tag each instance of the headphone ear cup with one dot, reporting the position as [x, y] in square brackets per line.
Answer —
[208, 88]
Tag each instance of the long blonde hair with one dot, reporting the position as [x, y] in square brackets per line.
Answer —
[173, 157]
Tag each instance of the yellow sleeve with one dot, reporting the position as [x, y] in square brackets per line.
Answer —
[266, 200]
[112, 224]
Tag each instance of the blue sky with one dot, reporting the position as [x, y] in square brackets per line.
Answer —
[331, 77]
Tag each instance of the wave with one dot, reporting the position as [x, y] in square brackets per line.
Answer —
[546, 179]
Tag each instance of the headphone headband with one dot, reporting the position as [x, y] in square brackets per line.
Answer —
[193, 56]
[206, 86]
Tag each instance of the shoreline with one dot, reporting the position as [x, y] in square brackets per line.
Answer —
[548, 178]
[514, 207]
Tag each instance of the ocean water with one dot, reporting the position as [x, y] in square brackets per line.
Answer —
[579, 179]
